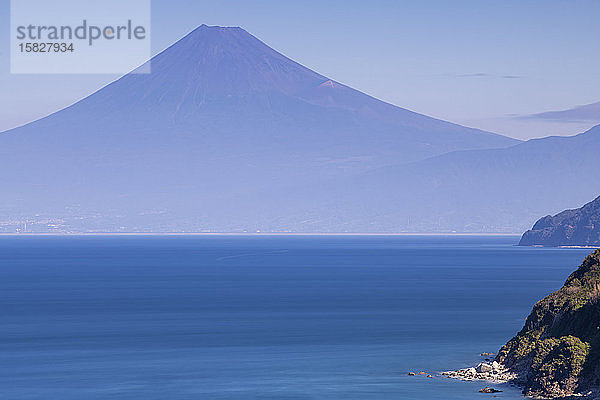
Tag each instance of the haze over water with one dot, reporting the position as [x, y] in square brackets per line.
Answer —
[262, 317]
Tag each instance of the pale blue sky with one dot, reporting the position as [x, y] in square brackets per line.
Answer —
[478, 63]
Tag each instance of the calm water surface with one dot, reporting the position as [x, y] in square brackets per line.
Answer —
[272, 317]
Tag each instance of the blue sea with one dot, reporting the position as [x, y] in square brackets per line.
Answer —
[262, 317]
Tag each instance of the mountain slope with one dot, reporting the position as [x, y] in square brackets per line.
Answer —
[580, 227]
[221, 127]
[219, 82]
[493, 190]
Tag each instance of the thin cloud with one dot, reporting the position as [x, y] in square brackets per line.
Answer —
[584, 113]
[474, 75]
[483, 75]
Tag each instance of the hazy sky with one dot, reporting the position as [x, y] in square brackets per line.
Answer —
[484, 64]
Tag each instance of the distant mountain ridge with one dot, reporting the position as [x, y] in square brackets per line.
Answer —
[490, 190]
[579, 227]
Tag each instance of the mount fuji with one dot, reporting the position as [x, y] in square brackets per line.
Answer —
[216, 138]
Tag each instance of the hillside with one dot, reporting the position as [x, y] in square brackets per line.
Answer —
[557, 353]
[492, 190]
[580, 227]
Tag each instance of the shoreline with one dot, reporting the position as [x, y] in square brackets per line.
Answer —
[492, 372]
[249, 234]
[498, 374]
[578, 247]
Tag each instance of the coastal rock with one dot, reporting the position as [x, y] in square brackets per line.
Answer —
[557, 353]
[483, 367]
[489, 390]
[498, 375]
[580, 227]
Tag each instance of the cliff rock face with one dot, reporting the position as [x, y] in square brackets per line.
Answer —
[580, 227]
[557, 353]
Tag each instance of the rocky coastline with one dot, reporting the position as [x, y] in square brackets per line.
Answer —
[496, 373]
[557, 353]
[570, 228]
[493, 372]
